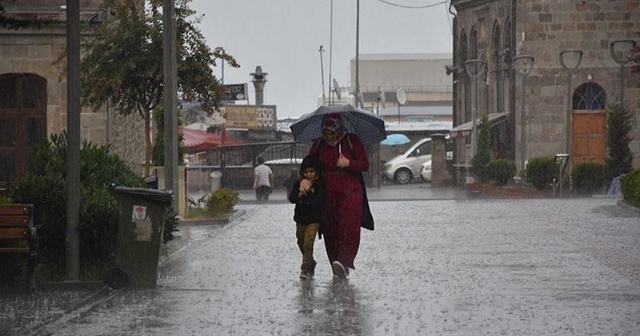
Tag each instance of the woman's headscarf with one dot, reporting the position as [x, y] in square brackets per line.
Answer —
[333, 122]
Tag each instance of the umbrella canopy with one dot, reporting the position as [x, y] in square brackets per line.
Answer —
[395, 139]
[368, 126]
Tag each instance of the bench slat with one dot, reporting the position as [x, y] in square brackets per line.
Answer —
[11, 209]
[22, 220]
[19, 234]
[14, 250]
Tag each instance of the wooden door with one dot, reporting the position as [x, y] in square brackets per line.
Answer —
[588, 136]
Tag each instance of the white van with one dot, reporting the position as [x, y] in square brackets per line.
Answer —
[405, 167]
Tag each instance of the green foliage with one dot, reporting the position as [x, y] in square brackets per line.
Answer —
[501, 171]
[587, 177]
[540, 172]
[6, 200]
[630, 187]
[170, 225]
[157, 154]
[619, 158]
[44, 186]
[222, 201]
[482, 156]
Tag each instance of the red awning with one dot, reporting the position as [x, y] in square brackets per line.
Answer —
[199, 141]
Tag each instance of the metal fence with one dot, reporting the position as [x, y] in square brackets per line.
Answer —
[236, 163]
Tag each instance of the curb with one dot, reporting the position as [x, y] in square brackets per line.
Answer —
[622, 204]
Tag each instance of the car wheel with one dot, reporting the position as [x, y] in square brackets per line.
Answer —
[403, 176]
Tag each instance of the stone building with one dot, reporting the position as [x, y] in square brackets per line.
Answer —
[33, 98]
[564, 102]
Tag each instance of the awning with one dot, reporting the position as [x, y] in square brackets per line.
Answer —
[197, 141]
[466, 128]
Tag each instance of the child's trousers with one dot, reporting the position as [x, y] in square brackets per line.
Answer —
[306, 235]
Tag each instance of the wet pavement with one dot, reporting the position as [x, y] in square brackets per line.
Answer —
[437, 264]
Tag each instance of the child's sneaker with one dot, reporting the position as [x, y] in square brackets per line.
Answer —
[306, 275]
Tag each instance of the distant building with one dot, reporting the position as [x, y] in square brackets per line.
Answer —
[422, 77]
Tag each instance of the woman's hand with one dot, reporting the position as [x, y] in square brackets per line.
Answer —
[342, 162]
[305, 185]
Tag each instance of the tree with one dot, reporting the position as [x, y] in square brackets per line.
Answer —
[482, 156]
[123, 62]
[619, 157]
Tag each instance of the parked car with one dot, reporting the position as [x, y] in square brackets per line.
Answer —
[425, 171]
[406, 167]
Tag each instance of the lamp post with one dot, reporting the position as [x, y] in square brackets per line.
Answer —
[222, 66]
[474, 68]
[358, 54]
[565, 57]
[614, 50]
[524, 63]
[324, 99]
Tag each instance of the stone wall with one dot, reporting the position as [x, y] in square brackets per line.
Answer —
[544, 28]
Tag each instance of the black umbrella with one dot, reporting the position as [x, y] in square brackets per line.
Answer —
[368, 126]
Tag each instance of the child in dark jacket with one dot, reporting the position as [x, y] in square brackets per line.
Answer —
[307, 213]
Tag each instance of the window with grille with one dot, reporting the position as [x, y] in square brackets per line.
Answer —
[23, 104]
[589, 96]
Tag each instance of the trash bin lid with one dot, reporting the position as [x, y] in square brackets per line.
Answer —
[153, 194]
[216, 174]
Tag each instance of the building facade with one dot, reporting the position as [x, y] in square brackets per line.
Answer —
[33, 89]
[422, 78]
[545, 72]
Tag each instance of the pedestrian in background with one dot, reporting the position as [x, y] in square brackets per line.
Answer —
[307, 213]
[262, 179]
[345, 209]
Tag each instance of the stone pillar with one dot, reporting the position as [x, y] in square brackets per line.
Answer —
[440, 176]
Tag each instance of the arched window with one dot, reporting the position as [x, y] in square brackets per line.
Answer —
[589, 96]
[23, 120]
[464, 57]
[498, 57]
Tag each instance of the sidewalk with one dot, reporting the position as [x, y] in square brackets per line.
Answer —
[432, 267]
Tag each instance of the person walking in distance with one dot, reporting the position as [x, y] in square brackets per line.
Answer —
[345, 208]
[262, 179]
[307, 212]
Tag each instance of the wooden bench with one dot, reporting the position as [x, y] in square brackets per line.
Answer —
[18, 235]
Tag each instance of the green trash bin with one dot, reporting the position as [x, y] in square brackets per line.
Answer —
[140, 228]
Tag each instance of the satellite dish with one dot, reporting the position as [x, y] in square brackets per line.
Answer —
[383, 99]
[401, 96]
[361, 99]
[337, 89]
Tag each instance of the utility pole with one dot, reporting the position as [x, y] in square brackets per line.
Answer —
[72, 239]
[170, 99]
[324, 99]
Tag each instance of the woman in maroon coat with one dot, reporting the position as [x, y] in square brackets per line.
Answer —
[343, 159]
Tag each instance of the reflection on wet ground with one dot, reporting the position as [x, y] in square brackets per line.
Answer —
[439, 267]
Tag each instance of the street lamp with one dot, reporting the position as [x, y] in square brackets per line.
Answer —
[524, 64]
[618, 48]
[474, 68]
[565, 57]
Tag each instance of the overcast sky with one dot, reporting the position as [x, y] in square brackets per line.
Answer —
[283, 36]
